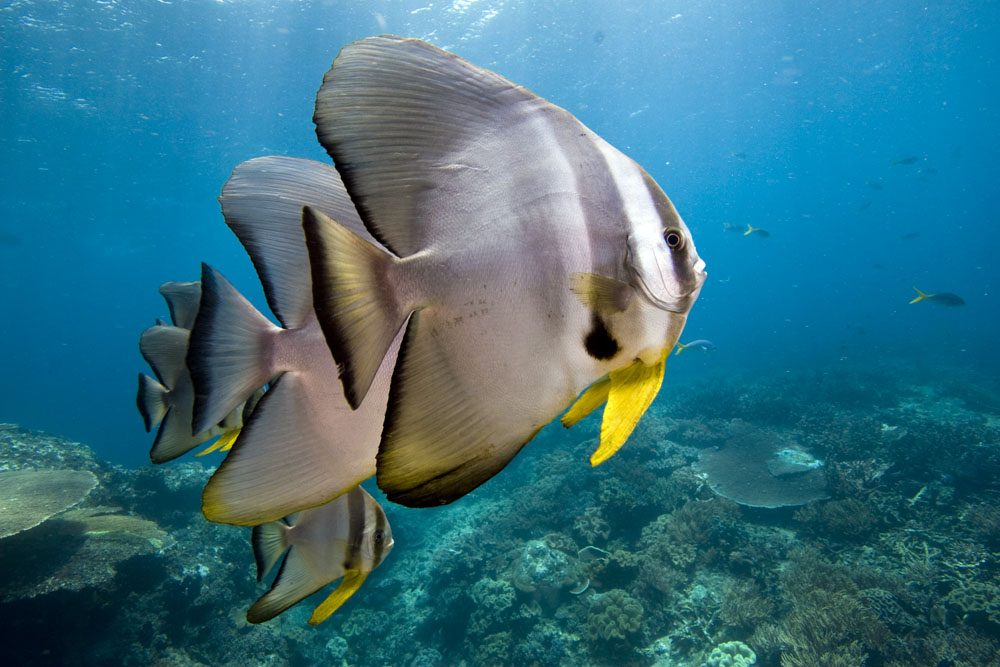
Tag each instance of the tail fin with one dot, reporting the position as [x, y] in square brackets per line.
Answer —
[680, 348]
[269, 541]
[296, 581]
[164, 349]
[359, 316]
[921, 296]
[151, 401]
[182, 300]
[229, 355]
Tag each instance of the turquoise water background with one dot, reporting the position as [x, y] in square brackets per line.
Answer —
[121, 120]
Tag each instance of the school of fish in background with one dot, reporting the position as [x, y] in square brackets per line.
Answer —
[430, 326]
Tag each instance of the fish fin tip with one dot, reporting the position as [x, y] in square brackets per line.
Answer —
[591, 399]
[441, 439]
[348, 586]
[632, 391]
[182, 301]
[248, 488]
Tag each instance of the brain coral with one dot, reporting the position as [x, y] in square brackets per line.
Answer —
[614, 614]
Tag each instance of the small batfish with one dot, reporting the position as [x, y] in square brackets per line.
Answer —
[522, 257]
[348, 537]
[168, 401]
[700, 344]
[763, 233]
[941, 298]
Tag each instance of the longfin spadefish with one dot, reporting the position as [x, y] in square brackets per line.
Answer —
[921, 296]
[632, 390]
[348, 586]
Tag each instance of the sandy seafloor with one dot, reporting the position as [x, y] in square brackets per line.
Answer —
[900, 565]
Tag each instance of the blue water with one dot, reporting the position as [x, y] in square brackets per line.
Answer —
[120, 121]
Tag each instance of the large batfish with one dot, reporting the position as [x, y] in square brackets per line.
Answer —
[522, 256]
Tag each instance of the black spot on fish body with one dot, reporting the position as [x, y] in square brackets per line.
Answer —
[599, 342]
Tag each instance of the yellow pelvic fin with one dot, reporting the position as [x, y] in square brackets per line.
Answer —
[922, 296]
[750, 230]
[632, 390]
[348, 586]
[588, 401]
[680, 348]
[223, 444]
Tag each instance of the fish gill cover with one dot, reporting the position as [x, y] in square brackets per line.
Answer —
[862, 142]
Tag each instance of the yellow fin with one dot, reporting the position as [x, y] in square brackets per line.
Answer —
[348, 586]
[599, 293]
[224, 443]
[632, 390]
[588, 401]
[680, 348]
[750, 230]
[922, 296]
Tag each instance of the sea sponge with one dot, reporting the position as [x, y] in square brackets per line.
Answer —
[730, 654]
[614, 614]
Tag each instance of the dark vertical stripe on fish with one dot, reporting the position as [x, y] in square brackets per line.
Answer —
[356, 528]
[378, 545]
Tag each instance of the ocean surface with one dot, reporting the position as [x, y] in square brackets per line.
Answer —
[862, 136]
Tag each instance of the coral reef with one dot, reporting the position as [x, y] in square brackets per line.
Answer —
[635, 562]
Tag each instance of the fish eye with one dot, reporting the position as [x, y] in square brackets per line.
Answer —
[379, 537]
[674, 238]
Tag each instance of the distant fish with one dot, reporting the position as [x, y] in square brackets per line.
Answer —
[729, 227]
[865, 205]
[347, 537]
[909, 236]
[739, 155]
[700, 344]
[763, 233]
[942, 298]
[168, 401]
[875, 185]
[912, 159]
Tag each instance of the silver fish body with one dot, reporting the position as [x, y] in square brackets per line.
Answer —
[529, 258]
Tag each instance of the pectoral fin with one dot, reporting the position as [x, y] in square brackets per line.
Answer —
[590, 400]
[631, 391]
[348, 586]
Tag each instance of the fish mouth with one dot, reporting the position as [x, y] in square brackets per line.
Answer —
[673, 300]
